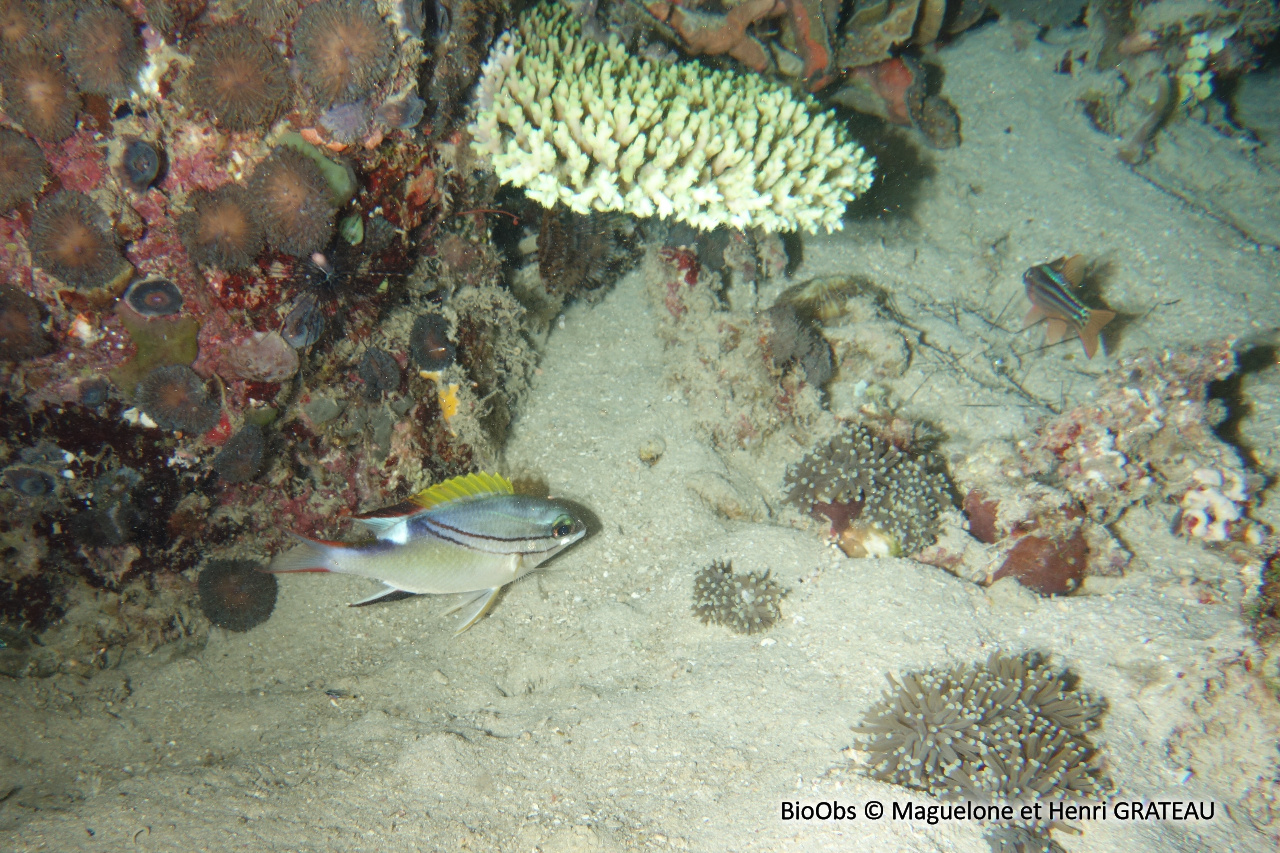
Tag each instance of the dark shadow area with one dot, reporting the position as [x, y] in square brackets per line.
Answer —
[1230, 392]
[902, 169]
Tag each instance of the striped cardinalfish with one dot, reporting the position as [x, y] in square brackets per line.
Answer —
[1051, 290]
[471, 534]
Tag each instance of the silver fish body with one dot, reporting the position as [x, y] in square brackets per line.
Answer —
[474, 543]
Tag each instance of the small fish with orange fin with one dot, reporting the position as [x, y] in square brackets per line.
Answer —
[472, 535]
[1051, 290]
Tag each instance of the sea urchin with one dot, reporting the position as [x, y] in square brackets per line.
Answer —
[238, 77]
[71, 238]
[343, 49]
[220, 230]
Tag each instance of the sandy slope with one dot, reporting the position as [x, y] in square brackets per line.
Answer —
[590, 711]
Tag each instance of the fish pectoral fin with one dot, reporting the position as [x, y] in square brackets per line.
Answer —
[482, 600]
[1035, 315]
[387, 593]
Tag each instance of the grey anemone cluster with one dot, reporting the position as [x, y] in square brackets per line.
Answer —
[879, 484]
[745, 603]
[1009, 729]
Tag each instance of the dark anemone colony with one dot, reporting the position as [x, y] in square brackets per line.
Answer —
[141, 163]
[743, 602]
[238, 78]
[154, 297]
[104, 52]
[212, 210]
[30, 482]
[220, 229]
[235, 594]
[39, 94]
[881, 501]
[23, 170]
[379, 371]
[343, 49]
[21, 332]
[72, 239]
[295, 206]
[429, 342]
[176, 398]
[240, 459]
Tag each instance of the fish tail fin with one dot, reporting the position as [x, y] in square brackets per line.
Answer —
[1091, 330]
[309, 555]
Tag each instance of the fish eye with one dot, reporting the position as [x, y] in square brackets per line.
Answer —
[562, 526]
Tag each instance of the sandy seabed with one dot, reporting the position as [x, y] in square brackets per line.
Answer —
[590, 711]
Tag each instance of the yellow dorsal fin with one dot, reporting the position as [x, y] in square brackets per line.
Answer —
[466, 487]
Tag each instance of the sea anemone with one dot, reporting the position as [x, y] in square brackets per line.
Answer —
[240, 459]
[104, 52]
[30, 482]
[343, 49]
[21, 333]
[745, 603]
[294, 202]
[380, 372]
[429, 342]
[154, 297]
[881, 501]
[39, 94]
[71, 238]
[94, 392]
[268, 15]
[235, 595]
[238, 77]
[141, 163]
[175, 397]
[221, 230]
[19, 22]
[1008, 729]
[23, 169]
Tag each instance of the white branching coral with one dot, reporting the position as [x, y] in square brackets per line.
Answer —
[588, 125]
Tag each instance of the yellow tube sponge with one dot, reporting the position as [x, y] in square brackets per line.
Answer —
[585, 124]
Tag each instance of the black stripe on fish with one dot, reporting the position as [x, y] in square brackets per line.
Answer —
[1050, 292]
[458, 536]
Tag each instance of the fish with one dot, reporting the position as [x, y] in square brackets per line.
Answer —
[1050, 288]
[471, 534]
